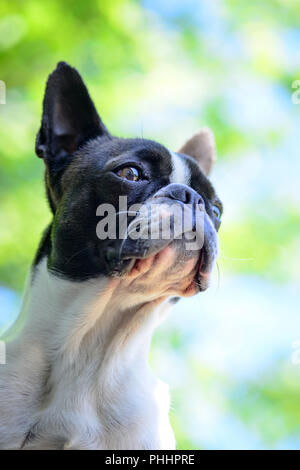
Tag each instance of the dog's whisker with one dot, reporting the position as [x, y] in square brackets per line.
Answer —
[136, 222]
[219, 276]
[76, 254]
[130, 231]
[121, 248]
[228, 258]
[129, 212]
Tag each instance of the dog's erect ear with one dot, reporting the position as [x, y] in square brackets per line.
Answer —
[202, 147]
[69, 117]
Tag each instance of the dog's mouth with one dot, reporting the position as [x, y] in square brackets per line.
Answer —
[182, 262]
[198, 267]
[186, 272]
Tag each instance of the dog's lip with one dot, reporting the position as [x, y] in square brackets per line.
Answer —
[201, 259]
[204, 269]
[138, 262]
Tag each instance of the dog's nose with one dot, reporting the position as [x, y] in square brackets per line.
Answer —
[181, 193]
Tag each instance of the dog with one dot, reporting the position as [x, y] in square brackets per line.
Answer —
[77, 375]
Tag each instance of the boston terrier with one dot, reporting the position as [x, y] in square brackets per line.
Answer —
[77, 375]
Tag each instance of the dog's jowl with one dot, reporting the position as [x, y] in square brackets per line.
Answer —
[134, 226]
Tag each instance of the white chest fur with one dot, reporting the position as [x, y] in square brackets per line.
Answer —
[78, 376]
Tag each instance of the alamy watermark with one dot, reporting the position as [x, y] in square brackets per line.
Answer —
[2, 92]
[295, 358]
[2, 352]
[154, 221]
[296, 94]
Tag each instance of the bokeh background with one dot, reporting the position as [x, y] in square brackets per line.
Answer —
[163, 69]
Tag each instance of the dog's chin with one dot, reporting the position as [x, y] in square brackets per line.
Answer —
[171, 270]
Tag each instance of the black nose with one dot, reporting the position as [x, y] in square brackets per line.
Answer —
[181, 193]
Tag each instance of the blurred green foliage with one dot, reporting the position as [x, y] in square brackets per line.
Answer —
[162, 70]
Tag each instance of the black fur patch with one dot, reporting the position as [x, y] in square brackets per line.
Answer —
[82, 160]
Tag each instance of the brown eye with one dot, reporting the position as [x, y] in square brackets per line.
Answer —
[129, 173]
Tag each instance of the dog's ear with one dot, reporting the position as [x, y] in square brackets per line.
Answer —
[69, 117]
[202, 147]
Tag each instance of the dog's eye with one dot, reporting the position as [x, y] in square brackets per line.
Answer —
[217, 212]
[129, 173]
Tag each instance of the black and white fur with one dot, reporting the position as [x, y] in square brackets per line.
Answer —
[77, 376]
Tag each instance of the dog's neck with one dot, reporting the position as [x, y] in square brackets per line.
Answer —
[90, 343]
[102, 316]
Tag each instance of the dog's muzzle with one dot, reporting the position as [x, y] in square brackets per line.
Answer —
[174, 216]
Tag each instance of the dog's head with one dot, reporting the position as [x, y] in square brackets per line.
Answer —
[162, 232]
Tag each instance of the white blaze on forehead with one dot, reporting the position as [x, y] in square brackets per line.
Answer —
[180, 171]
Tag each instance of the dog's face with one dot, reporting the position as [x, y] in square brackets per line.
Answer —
[87, 170]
